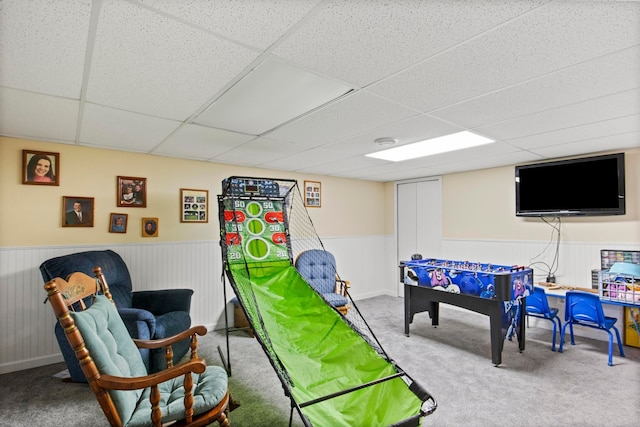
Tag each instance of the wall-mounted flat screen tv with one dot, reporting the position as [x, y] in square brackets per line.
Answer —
[583, 186]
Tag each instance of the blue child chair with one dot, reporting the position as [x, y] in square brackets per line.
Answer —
[538, 306]
[584, 308]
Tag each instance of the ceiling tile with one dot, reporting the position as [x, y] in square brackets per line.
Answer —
[400, 174]
[43, 45]
[482, 152]
[271, 94]
[256, 23]
[30, 115]
[579, 133]
[598, 109]
[405, 131]
[362, 42]
[108, 127]
[374, 169]
[544, 78]
[567, 86]
[605, 143]
[258, 152]
[344, 165]
[200, 142]
[148, 63]
[550, 38]
[508, 159]
[303, 159]
[349, 116]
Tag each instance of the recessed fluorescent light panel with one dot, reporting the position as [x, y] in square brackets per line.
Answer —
[429, 147]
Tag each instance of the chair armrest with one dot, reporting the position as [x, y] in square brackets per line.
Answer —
[141, 324]
[342, 286]
[113, 382]
[163, 301]
[163, 342]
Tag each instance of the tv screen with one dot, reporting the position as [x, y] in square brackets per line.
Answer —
[584, 186]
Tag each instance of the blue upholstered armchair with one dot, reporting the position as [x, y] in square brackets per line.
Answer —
[146, 314]
[318, 267]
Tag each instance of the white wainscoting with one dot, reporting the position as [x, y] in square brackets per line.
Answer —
[368, 262]
[576, 260]
[26, 324]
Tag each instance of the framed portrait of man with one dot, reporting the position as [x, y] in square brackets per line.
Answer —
[40, 168]
[77, 211]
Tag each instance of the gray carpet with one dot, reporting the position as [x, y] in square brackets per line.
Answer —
[453, 361]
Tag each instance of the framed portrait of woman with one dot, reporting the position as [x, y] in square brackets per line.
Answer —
[40, 168]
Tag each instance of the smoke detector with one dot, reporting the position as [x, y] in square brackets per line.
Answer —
[386, 141]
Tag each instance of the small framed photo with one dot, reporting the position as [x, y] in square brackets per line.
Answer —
[77, 211]
[194, 205]
[132, 192]
[150, 227]
[118, 223]
[40, 168]
[312, 194]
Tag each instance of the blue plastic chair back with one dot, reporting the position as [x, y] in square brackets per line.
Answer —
[537, 305]
[585, 308]
[537, 302]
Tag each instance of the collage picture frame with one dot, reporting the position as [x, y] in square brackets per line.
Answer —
[312, 194]
[194, 205]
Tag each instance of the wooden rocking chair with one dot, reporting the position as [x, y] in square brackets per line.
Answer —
[188, 394]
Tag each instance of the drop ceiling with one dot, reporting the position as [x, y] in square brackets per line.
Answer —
[308, 85]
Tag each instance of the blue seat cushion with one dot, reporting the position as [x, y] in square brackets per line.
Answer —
[335, 300]
[209, 388]
[114, 353]
[112, 350]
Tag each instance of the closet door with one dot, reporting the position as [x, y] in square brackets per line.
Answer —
[419, 220]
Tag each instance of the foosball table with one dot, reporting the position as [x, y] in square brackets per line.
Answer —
[497, 291]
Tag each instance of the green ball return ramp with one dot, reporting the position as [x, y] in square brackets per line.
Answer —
[331, 365]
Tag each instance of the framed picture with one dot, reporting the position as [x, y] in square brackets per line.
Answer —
[150, 227]
[118, 223]
[632, 326]
[194, 205]
[40, 168]
[312, 194]
[77, 211]
[132, 192]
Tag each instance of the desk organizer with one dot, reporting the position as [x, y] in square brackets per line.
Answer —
[620, 283]
[608, 257]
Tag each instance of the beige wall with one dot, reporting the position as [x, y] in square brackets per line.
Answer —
[31, 215]
[481, 205]
[476, 205]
